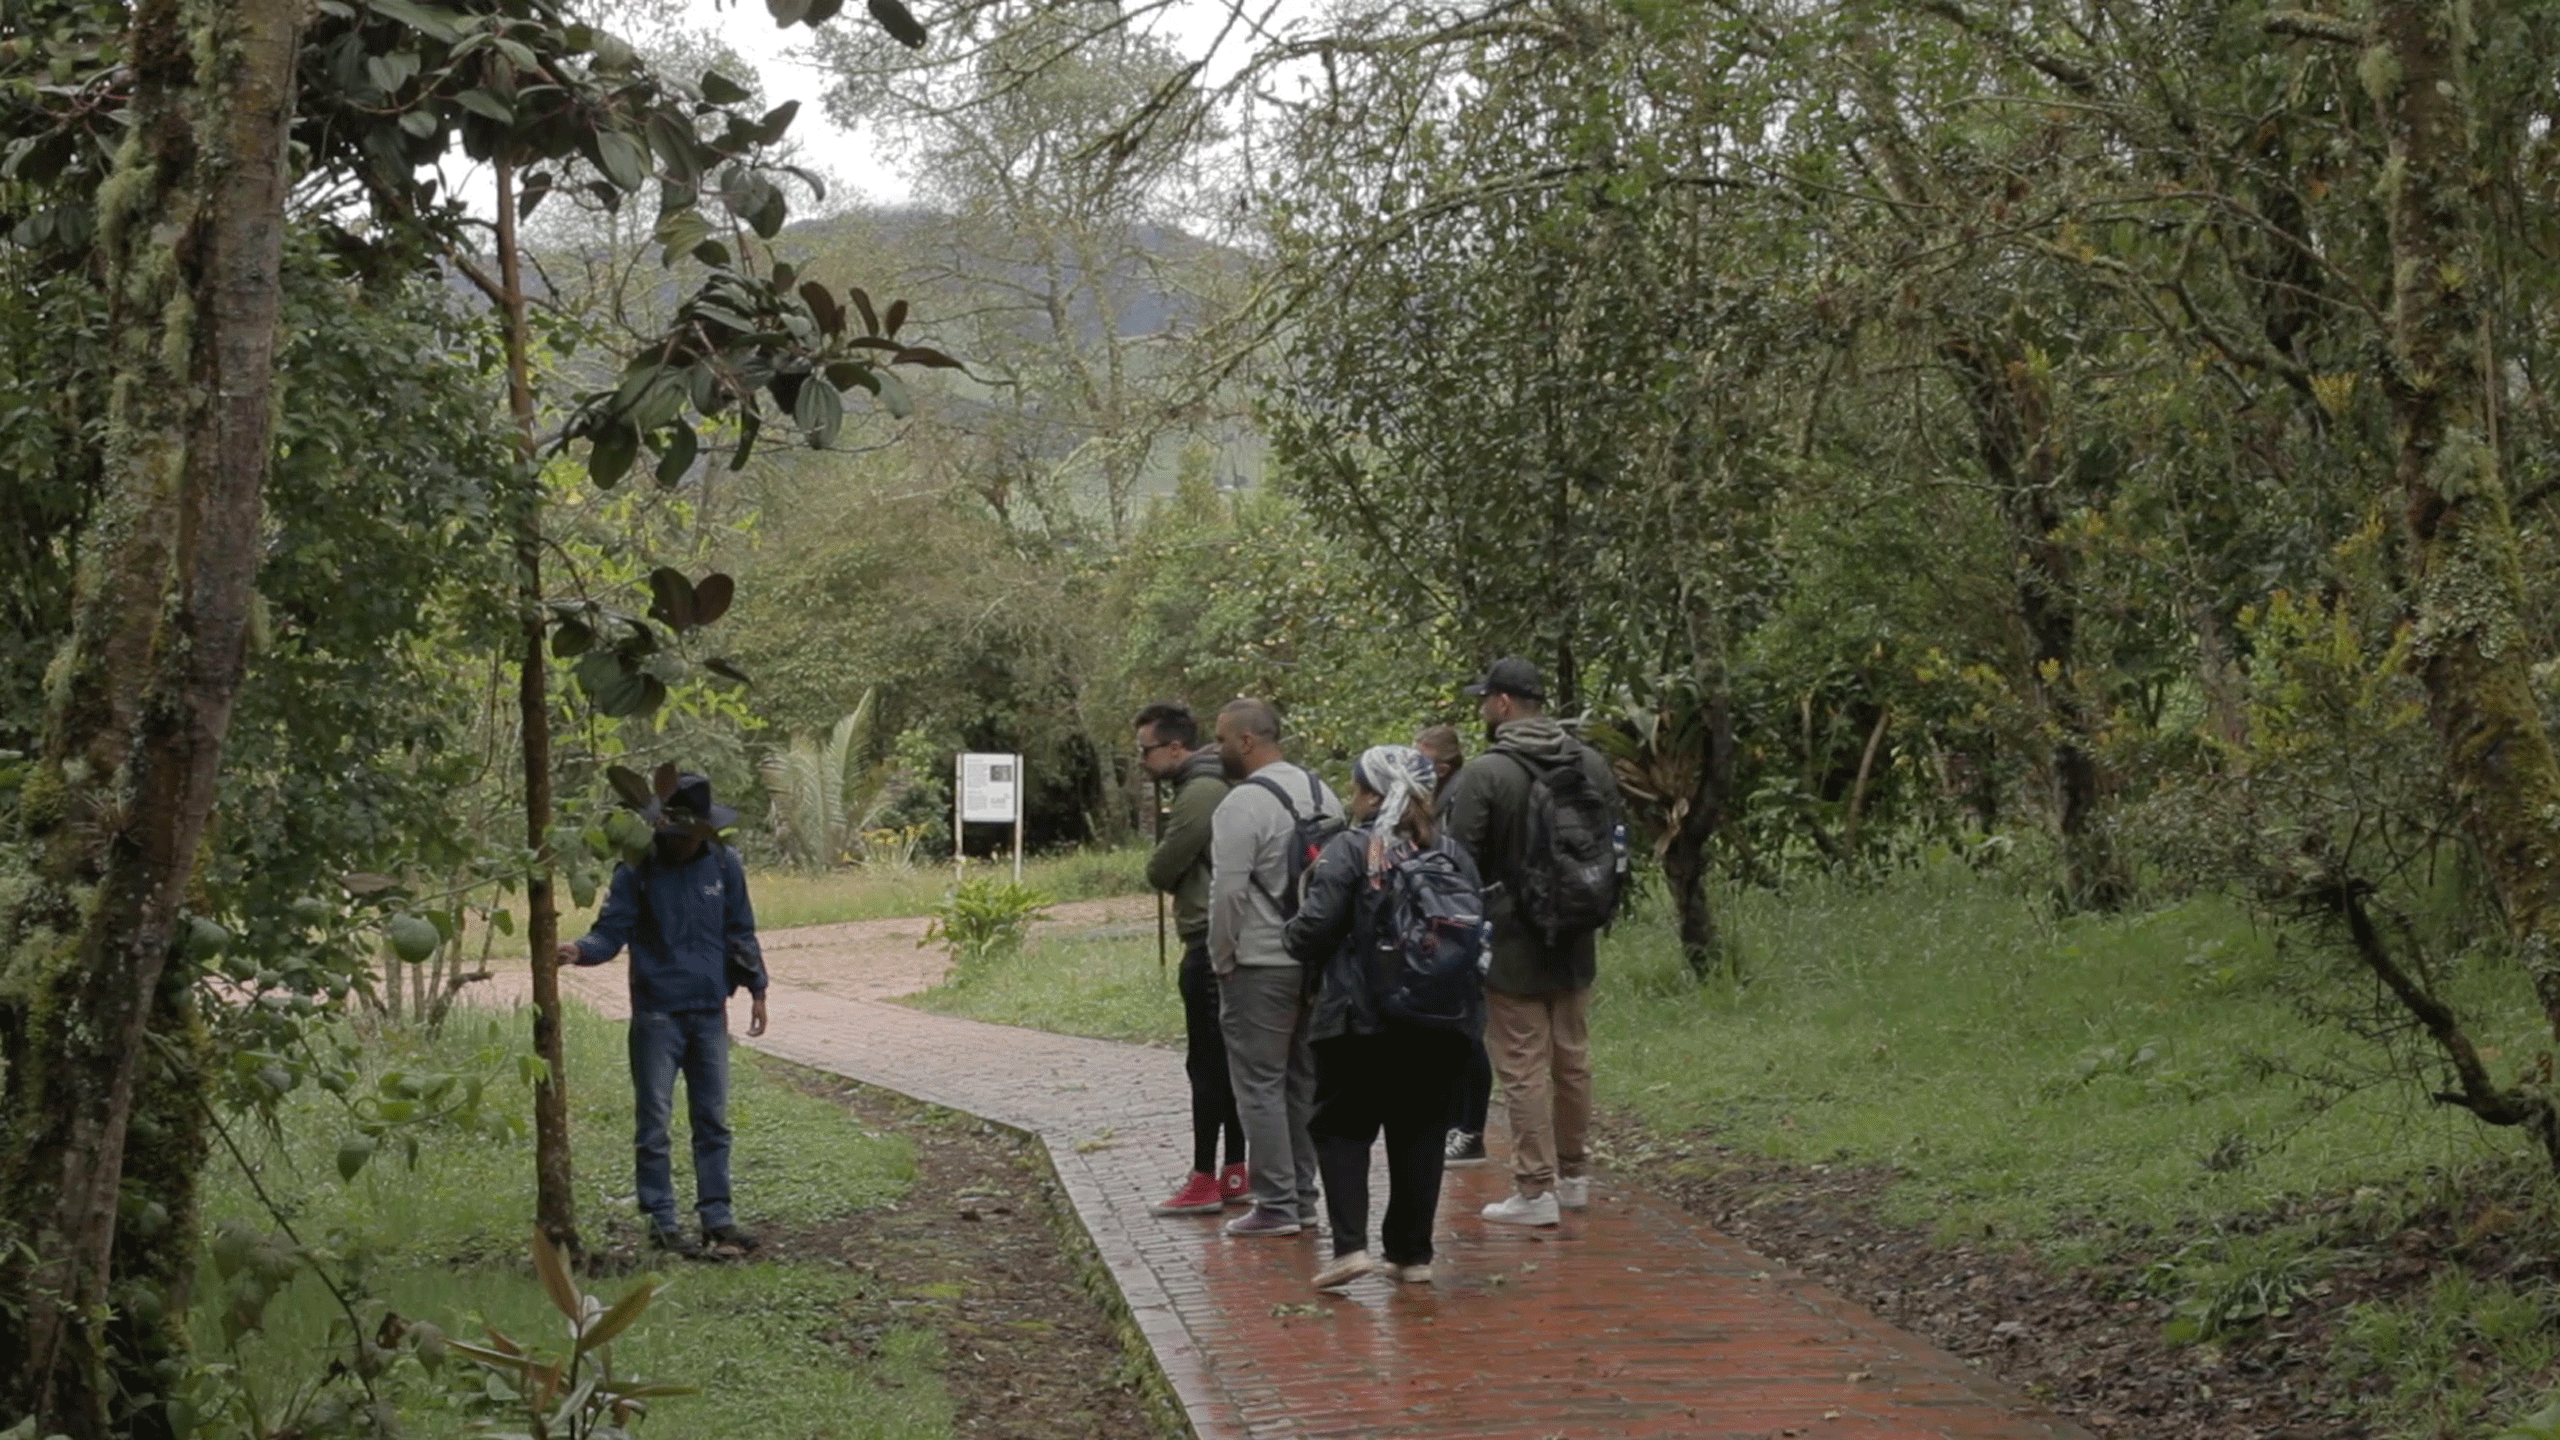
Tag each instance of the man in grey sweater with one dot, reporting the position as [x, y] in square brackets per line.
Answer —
[1263, 995]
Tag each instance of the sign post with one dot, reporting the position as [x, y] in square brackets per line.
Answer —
[989, 793]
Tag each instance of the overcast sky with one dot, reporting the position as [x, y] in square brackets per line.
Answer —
[789, 74]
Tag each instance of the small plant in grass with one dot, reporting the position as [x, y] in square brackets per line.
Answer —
[574, 1396]
[2442, 1361]
[984, 920]
[2221, 1287]
[2543, 1424]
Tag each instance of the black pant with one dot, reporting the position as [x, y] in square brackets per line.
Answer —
[1400, 1082]
[1473, 1096]
[1213, 1095]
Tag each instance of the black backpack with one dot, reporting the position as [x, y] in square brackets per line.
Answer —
[1440, 939]
[1308, 834]
[1568, 877]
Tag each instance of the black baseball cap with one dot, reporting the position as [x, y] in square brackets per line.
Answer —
[1512, 675]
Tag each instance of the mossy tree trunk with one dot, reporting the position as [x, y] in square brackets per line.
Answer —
[95, 1245]
[2012, 425]
[2470, 647]
[1684, 842]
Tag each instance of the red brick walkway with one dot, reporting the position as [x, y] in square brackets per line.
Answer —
[1628, 1320]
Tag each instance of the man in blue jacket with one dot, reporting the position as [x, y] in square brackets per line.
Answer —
[683, 911]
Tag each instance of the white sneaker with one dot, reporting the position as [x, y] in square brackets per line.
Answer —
[1414, 1274]
[1345, 1269]
[1518, 1209]
[1573, 1192]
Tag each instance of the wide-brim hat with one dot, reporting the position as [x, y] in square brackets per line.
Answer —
[1512, 675]
[690, 801]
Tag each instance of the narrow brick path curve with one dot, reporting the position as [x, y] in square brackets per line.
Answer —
[1628, 1320]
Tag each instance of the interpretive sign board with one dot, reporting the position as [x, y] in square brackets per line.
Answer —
[988, 792]
[991, 789]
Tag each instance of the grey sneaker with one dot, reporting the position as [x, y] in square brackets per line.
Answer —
[1573, 1192]
[1260, 1223]
[1465, 1147]
[1519, 1209]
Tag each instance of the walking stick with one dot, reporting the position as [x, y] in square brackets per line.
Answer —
[1159, 839]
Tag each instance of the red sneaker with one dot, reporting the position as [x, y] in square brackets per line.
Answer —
[1198, 1196]
[1236, 1183]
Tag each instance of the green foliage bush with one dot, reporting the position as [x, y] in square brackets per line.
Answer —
[984, 920]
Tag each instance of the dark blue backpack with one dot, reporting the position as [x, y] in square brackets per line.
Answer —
[1440, 939]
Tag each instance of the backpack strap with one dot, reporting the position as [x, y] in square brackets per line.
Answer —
[1516, 827]
[1266, 783]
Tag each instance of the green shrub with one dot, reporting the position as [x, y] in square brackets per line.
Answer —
[984, 920]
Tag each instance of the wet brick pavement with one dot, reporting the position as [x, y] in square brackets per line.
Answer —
[1628, 1320]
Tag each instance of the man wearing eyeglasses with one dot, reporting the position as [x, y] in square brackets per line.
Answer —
[1168, 735]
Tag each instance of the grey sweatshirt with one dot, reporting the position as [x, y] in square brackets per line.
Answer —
[1249, 839]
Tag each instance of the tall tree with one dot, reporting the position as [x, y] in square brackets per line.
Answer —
[193, 237]
[189, 225]
[2470, 646]
[1547, 293]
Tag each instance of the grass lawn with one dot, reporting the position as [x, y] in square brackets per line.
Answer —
[785, 898]
[1106, 983]
[2025, 1076]
[446, 1242]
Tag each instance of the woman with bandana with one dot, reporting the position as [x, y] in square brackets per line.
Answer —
[1375, 1072]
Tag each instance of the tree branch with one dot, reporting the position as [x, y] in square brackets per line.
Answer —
[2304, 25]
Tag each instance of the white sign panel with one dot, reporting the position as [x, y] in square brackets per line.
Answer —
[990, 788]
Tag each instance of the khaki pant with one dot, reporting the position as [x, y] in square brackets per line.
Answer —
[1541, 1047]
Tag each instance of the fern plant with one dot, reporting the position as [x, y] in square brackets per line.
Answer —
[824, 796]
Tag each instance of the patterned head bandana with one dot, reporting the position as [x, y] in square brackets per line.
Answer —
[1400, 776]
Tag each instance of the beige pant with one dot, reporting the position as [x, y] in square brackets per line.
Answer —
[1541, 1047]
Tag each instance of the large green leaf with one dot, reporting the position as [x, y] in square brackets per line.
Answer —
[681, 446]
[900, 22]
[819, 410]
[624, 161]
[610, 456]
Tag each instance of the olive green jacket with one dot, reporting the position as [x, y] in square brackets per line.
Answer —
[1179, 865]
[1486, 810]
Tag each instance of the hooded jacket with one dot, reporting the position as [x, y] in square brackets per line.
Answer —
[1343, 926]
[1486, 810]
[1179, 865]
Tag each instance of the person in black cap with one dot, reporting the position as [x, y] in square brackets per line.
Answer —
[1537, 800]
[683, 910]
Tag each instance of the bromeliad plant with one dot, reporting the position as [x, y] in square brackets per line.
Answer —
[982, 920]
[574, 1396]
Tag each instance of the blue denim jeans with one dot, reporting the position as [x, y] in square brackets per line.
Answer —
[697, 1043]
